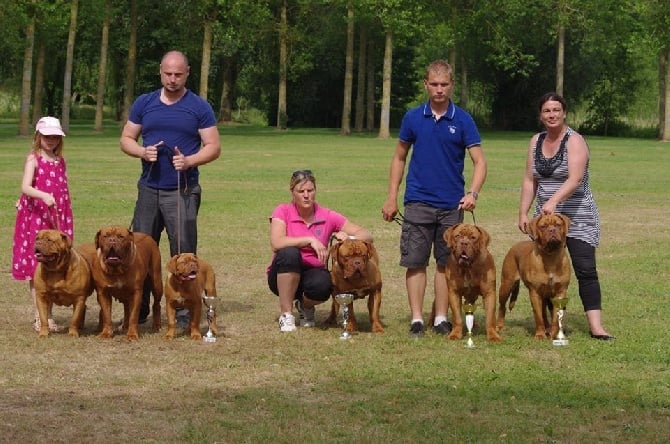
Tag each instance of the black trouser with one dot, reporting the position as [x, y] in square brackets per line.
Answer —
[314, 282]
[583, 257]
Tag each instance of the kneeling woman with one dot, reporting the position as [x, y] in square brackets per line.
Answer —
[299, 235]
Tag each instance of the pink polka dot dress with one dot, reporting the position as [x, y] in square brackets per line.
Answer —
[33, 215]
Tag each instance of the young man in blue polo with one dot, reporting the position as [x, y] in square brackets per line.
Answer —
[440, 134]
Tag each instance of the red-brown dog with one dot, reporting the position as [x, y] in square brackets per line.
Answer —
[62, 277]
[470, 272]
[124, 261]
[188, 278]
[355, 270]
[543, 266]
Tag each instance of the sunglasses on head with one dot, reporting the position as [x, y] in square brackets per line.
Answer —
[299, 173]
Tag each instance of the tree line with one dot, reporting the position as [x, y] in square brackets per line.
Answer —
[356, 65]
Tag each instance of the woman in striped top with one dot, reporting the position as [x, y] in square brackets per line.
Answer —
[557, 179]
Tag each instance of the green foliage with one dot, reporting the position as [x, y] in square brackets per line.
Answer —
[508, 48]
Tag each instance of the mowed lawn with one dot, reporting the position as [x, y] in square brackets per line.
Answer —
[257, 385]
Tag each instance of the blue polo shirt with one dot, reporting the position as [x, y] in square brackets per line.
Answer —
[435, 173]
[177, 125]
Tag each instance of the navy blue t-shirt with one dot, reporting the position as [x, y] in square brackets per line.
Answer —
[176, 125]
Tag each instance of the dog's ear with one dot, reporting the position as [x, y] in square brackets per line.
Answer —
[332, 253]
[171, 266]
[532, 227]
[97, 239]
[372, 251]
[484, 237]
[448, 235]
[566, 220]
[66, 239]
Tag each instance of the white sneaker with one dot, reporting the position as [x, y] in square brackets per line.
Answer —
[307, 315]
[287, 322]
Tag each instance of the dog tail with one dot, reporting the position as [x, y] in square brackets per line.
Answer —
[513, 294]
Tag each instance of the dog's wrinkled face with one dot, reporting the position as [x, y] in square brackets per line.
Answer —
[51, 248]
[184, 266]
[353, 256]
[114, 245]
[550, 231]
[466, 242]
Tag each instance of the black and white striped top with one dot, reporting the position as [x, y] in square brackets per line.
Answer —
[580, 207]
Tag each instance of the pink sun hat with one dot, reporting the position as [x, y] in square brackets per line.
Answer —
[49, 126]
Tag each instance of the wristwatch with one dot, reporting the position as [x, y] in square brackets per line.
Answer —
[474, 194]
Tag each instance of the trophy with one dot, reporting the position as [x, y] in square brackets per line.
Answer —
[469, 310]
[344, 299]
[210, 302]
[559, 304]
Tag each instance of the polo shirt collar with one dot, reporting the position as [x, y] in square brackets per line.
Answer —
[449, 115]
[319, 217]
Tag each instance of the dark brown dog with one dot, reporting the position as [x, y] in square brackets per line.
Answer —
[470, 272]
[355, 270]
[62, 277]
[188, 278]
[543, 266]
[124, 260]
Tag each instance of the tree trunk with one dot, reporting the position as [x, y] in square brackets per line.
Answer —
[360, 84]
[464, 83]
[385, 116]
[206, 58]
[348, 72]
[69, 62]
[370, 89]
[24, 113]
[228, 72]
[282, 117]
[130, 64]
[102, 71]
[664, 94]
[39, 82]
[560, 58]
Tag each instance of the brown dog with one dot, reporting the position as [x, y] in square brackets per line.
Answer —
[62, 277]
[124, 261]
[355, 269]
[188, 277]
[470, 272]
[544, 268]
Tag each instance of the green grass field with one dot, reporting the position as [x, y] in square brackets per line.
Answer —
[257, 385]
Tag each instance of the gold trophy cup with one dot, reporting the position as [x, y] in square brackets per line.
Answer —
[560, 304]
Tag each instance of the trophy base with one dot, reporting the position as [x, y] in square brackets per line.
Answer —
[344, 336]
[209, 339]
[560, 342]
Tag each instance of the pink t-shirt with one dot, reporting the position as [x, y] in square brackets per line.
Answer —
[326, 222]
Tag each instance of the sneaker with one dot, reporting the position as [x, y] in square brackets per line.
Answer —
[307, 315]
[286, 322]
[416, 329]
[443, 328]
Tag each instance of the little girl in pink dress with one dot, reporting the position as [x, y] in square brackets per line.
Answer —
[44, 202]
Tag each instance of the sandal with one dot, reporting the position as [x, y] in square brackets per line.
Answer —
[53, 327]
